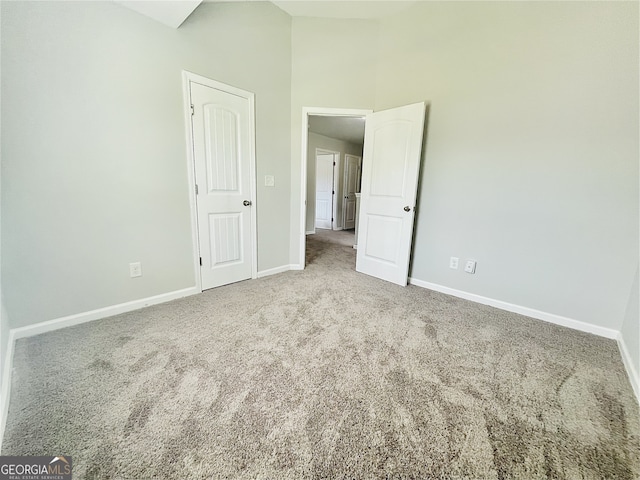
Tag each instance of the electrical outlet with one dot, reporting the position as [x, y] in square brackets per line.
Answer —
[470, 266]
[453, 262]
[135, 269]
[269, 181]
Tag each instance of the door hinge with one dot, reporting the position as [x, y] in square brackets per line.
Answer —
[192, 110]
[334, 164]
[332, 219]
[200, 261]
[196, 189]
[333, 192]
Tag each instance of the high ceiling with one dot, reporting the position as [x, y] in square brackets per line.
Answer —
[364, 9]
[170, 13]
[349, 129]
[173, 12]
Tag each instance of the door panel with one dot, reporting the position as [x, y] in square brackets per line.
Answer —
[225, 236]
[391, 164]
[351, 181]
[387, 232]
[390, 142]
[221, 137]
[222, 142]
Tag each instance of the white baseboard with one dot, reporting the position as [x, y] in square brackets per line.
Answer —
[529, 312]
[310, 232]
[68, 321]
[634, 379]
[274, 271]
[89, 316]
[5, 392]
[296, 266]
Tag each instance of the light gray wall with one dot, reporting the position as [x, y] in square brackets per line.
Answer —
[630, 331]
[532, 153]
[333, 65]
[4, 318]
[94, 168]
[320, 141]
[4, 339]
[248, 45]
[531, 163]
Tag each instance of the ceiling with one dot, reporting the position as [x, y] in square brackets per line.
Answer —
[349, 129]
[363, 9]
[173, 12]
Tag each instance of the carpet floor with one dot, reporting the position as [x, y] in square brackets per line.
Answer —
[324, 373]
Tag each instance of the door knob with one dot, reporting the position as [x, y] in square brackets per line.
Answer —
[246, 203]
[407, 208]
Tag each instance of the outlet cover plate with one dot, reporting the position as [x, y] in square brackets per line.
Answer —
[135, 269]
[470, 266]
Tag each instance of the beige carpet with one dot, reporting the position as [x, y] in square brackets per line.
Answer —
[341, 237]
[324, 373]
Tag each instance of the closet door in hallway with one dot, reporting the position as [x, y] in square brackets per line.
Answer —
[351, 187]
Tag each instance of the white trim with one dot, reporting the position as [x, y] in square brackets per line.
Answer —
[91, 315]
[311, 232]
[68, 321]
[187, 79]
[296, 266]
[274, 271]
[191, 176]
[634, 378]
[306, 111]
[529, 312]
[5, 393]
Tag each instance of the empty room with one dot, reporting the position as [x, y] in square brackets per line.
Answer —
[169, 309]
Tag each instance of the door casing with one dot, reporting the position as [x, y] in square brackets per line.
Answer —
[306, 112]
[187, 79]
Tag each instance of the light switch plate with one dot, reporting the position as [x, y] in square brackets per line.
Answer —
[269, 181]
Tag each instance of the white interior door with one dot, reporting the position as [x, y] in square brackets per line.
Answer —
[391, 164]
[324, 190]
[222, 144]
[351, 183]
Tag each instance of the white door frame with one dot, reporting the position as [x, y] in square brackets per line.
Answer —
[187, 79]
[306, 112]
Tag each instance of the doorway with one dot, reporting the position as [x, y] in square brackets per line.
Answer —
[329, 125]
[391, 157]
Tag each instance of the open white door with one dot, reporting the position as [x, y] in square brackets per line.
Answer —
[390, 169]
[222, 148]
